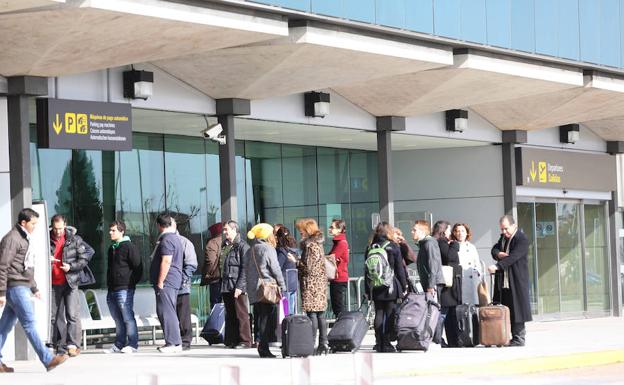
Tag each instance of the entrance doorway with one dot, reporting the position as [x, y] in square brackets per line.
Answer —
[568, 257]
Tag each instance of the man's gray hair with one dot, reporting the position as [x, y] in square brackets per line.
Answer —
[510, 219]
[233, 225]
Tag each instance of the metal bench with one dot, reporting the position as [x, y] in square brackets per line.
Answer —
[144, 310]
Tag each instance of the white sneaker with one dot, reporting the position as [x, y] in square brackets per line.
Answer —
[170, 349]
[129, 349]
[112, 349]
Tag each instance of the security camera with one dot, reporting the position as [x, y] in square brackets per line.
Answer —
[213, 133]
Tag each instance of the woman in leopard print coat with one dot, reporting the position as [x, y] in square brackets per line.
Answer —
[313, 281]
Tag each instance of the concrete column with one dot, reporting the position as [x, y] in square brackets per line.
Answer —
[19, 90]
[510, 139]
[614, 260]
[385, 126]
[227, 109]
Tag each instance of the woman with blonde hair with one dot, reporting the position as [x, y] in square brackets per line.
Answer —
[312, 279]
[262, 264]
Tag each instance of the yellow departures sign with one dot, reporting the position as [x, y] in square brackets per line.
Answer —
[74, 124]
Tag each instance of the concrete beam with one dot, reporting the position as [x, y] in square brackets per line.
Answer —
[310, 58]
[601, 97]
[474, 78]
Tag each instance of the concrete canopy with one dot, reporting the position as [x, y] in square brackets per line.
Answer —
[601, 97]
[310, 58]
[608, 129]
[474, 78]
[17, 5]
[91, 35]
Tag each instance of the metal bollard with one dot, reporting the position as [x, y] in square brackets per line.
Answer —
[147, 379]
[300, 371]
[363, 367]
[229, 375]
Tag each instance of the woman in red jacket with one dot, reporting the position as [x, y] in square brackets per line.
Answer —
[340, 251]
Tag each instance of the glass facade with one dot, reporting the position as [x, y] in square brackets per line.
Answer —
[568, 257]
[277, 183]
[582, 30]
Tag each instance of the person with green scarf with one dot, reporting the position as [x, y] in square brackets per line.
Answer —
[125, 269]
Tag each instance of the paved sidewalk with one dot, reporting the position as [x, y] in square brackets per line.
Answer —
[550, 346]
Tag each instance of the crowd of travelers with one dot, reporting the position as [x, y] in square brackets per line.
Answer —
[244, 271]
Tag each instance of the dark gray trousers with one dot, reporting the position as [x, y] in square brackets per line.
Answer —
[166, 300]
[65, 317]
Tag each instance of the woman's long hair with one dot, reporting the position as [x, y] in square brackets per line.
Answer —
[285, 238]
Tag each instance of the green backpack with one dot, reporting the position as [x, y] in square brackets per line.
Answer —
[380, 274]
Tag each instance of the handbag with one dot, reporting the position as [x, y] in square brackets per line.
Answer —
[267, 292]
[86, 277]
[330, 267]
[484, 293]
[447, 272]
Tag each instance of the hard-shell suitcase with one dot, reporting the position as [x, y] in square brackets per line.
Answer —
[494, 324]
[416, 321]
[348, 332]
[297, 336]
[467, 325]
[214, 329]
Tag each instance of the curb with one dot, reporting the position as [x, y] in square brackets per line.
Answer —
[522, 365]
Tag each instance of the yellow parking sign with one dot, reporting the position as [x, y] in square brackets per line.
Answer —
[70, 123]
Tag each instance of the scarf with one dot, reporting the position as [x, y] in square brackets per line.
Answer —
[507, 245]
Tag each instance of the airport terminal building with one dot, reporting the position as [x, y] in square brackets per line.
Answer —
[361, 109]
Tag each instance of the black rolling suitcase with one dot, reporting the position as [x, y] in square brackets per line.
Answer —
[348, 332]
[467, 325]
[297, 336]
[214, 330]
[416, 321]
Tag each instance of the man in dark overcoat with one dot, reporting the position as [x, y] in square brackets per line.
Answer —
[512, 277]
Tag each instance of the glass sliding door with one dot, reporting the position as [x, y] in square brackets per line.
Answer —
[526, 222]
[596, 258]
[570, 266]
[568, 257]
[547, 258]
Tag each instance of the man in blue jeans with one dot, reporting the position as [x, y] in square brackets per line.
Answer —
[124, 272]
[166, 278]
[17, 286]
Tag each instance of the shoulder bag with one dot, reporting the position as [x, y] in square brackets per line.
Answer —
[330, 267]
[267, 292]
[447, 272]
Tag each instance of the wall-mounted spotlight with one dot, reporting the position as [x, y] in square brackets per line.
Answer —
[456, 120]
[316, 104]
[569, 133]
[138, 84]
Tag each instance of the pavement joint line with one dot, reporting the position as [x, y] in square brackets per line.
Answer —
[521, 365]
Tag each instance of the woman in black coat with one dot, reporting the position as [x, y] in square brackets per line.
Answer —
[450, 297]
[385, 298]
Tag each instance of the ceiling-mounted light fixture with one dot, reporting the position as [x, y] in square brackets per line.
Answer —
[456, 120]
[138, 84]
[316, 104]
[569, 133]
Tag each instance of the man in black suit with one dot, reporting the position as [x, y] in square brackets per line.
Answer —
[512, 276]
